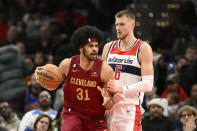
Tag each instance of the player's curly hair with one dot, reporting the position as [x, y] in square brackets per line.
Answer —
[81, 35]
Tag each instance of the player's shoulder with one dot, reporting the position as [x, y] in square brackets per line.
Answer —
[106, 49]
[106, 67]
[145, 46]
[65, 62]
[107, 45]
[64, 66]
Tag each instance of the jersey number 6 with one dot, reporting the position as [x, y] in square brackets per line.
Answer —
[117, 72]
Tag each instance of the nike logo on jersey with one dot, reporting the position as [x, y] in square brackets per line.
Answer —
[94, 74]
[75, 70]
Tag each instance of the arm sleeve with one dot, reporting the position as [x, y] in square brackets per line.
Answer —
[145, 85]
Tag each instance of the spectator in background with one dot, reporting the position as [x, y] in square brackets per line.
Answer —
[44, 102]
[173, 30]
[31, 94]
[11, 37]
[152, 95]
[33, 23]
[191, 54]
[43, 123]
[22, 47]
[160, 70]
[188, 117]
[185, 40]
[173, 101]
[180, 61]
[30, 61]
[39, 59]
[173, 86]
[156, 121]
[13, 71]
[67, 15]
[158, 41]
[42, 42]
[192, 100]
[8, 118]
[187, 73]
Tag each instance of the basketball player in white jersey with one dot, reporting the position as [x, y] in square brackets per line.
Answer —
[132, 62]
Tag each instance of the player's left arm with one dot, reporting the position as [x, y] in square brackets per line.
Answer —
[146, 84]
[147, 72]
[106, 74]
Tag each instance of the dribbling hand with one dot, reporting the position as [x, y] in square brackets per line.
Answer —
[37, 71]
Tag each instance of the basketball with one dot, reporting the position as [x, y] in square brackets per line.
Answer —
[49, 77]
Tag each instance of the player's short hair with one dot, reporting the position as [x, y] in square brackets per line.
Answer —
[125, 13]
[85, 35]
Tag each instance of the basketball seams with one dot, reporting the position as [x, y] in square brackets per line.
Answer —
[53, 74]
[49, 77]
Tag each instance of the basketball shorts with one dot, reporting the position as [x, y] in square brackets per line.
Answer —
[124, 117]
[73, 121]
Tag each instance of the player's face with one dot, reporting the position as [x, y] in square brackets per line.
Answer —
[90, 51]
[124, 26]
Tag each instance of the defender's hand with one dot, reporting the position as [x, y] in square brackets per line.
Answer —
[118, 97]
[113, 88]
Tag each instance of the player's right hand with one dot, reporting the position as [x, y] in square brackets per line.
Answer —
[38, 71]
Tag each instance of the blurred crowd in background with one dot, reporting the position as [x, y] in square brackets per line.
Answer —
[37, 32]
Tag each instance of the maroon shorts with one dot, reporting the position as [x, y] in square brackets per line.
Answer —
[73, 121]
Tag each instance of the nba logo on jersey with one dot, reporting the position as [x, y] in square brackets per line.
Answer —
[89, 40]
[74, 65]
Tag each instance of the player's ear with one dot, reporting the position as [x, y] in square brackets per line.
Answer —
[81, 49]
[133, 24]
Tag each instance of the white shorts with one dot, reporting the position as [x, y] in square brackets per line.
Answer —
[124, 117]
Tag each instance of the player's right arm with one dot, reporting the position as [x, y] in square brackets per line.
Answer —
[64, 67]
[105, 50]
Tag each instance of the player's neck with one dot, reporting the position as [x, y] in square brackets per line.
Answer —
[127, 42]
[86, 64]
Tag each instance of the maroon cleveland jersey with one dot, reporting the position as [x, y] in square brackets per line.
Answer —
[80, 91]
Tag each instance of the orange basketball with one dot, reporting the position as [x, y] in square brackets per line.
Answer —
[49, 77]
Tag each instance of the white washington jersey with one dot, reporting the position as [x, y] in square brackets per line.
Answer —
[126, 66]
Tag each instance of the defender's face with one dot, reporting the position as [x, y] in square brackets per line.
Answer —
[90, 50]
[124, 26]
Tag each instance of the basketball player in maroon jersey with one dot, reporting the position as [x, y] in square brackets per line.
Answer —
[132, 62]
[83, 102]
